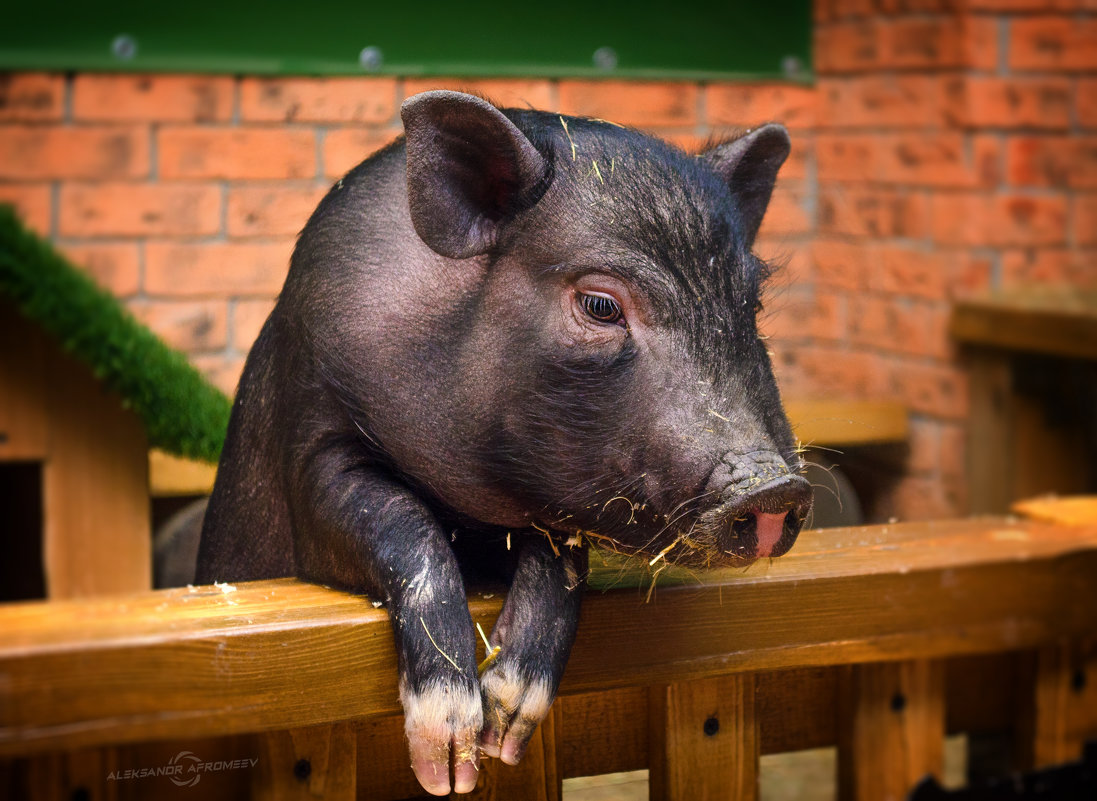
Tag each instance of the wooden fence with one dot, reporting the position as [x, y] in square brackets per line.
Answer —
[878, 640]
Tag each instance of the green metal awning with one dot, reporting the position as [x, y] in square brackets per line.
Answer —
[690, 39]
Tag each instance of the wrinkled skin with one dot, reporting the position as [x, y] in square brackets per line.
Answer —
[509, 327]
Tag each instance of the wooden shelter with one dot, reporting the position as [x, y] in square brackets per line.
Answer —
[74, 463]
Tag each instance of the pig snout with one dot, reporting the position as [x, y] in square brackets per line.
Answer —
[761, 509]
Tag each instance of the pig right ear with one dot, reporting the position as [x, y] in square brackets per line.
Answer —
[749, 164]
[469, 171]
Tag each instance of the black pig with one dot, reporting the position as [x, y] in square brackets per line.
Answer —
[502, 337]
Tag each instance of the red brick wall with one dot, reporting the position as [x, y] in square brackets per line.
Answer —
[946, 146]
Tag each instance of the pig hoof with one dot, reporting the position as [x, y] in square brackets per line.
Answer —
[443, 724]
[514, 703]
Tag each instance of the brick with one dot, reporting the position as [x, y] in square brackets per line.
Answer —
[503, 92]
[1015, 102]
[911, 272]
[933, 160]
[748, 105]
[236, 153]
[800, 314]
[920, 498]
[1073, 267]
[345, 148]
[931, 274]
[834, 372]
[924, 442]
[841, 265]
[641, 104]
[849, 46]
[132, 209]
[892, 101]
[216, 269]
[912, 42]
[937, 390]
[115, 266]
[31, 97]
[188, 326]
[355, 99]
[999, 220]
[851, 210]
[248, 317]
[1055, 161]
[1087, 102]
[32, 202]
[152, 98]
[271, 210]
[899, 325]
[787, 213]
[30, 152]
[1024, 5]
[942, 43]
[1053, 43]
[1083, 220]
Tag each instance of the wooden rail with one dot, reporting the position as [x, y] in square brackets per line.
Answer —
[868, 638]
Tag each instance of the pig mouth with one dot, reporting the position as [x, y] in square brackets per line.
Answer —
[760, 523]
[745, 525]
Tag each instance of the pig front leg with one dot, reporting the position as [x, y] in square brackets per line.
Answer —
[370, 534]
[535, 631]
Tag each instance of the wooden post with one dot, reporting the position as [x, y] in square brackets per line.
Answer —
[704, 740]
[891, 729]
[1062, 705]
[311, 764]
[536, 777]
[990, 445]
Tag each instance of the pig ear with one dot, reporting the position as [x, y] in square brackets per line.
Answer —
[749, 164]
[469, 170]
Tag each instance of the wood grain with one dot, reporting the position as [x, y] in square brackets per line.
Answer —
[847, 422]
[891, 729]
[1058, 321]
[171, 475]
[704, 740]
[282, 654]
[318, 763]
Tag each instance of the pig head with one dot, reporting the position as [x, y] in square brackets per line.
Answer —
[507, 336]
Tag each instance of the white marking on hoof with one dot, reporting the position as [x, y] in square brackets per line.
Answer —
[443, 718]
[515, 705]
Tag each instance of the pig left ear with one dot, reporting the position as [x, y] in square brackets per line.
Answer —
[749, 164]
[469, 171]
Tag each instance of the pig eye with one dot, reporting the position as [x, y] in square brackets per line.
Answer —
[602, 308]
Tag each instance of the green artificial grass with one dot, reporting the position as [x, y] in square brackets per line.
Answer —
[182, 412]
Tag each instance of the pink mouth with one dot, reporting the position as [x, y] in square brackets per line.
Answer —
[770, 527]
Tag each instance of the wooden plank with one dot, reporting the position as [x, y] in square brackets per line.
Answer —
[208, 662]
[535, 778]
[1080, 510]
[24, 425]
[990, 437]
[704, 740]
[95, 489]
[171, 475]
[797, 709]
[1062, 711]
[892, 729]
[820, 422]
[1058, 321]
[602, 732]
[384, 768]
[847, 422]
[318, 763]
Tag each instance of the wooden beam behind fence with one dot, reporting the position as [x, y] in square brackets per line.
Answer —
[280, 655]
